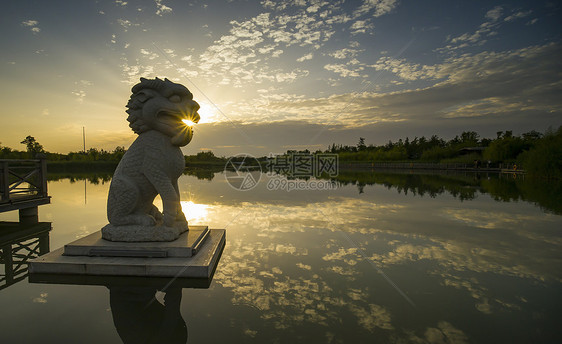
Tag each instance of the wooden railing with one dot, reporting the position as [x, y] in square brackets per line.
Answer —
[21, 180]
[20, 243]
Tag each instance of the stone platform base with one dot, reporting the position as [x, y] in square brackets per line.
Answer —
[200, 265]
[93, 245]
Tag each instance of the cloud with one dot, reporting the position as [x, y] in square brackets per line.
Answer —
[41, 299]
[345, 53]
[308, 56]
[519, 86]
[125, 24]
[494, 14]
[360, 26]
[376, 7]
[80, 94]
[517, 15]
[453, 257]
[344, 70]
[284, 295]
[170, 52]
[486, 29]
[456, 90]
[483, 91]
[477, 37]
[443, 333]
[162, 9]
[32, 25]
[373, 317]
[287, 26]
[406, 70]
[133, 72]
[514, 81]
[148, 54]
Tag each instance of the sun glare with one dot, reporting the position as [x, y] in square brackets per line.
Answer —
[194, 212]
[207, 112]
[188, 122]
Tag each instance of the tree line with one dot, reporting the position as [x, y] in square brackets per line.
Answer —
[34, 148]
[504, 148]
[538, 153]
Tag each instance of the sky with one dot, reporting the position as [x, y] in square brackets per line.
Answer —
[277, 75]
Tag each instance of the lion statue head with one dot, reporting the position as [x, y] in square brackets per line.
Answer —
[162, 105]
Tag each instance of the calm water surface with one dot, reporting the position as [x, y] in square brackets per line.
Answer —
[382, 258]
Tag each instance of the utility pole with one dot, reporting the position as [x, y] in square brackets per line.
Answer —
[84, 138]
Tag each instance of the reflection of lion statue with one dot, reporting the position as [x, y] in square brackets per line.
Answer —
[152, 165]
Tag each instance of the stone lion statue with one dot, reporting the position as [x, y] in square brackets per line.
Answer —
[152, 164]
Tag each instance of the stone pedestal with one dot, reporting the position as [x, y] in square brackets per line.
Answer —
[139, 233]
[194, 254]
[94, 245]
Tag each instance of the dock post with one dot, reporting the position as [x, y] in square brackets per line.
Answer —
[29, 215]
[4, 182]
[44, 244]
[43, 174]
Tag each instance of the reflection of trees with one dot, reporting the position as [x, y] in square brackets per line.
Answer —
[462, 187]
[103, 177]
[546, 194]
[94, 178]
[203, 173]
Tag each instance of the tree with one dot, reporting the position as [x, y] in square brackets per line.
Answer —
[505, 149]
[544, 159]
[118, 153]
[469, 137]
[361, 143]
[532, 135]
[33, 147]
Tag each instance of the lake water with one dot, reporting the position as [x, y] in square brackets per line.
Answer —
[383, 258]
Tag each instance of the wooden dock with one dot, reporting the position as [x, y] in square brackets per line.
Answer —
[23, 187]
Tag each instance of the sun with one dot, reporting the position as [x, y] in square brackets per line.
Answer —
[188, 122]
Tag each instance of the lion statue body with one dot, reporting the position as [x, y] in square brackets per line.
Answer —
[152, 165]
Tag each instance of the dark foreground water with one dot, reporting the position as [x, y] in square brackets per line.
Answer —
[383, 258]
